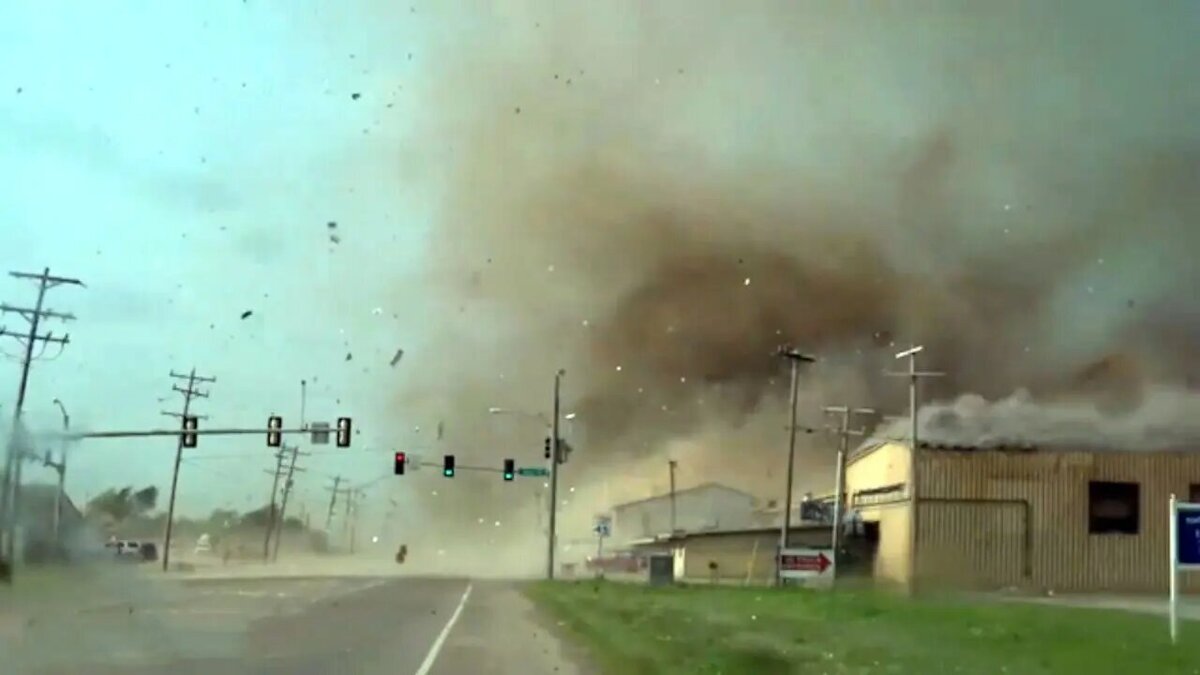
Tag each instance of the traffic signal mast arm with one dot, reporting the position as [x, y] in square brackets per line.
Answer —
[74, 436]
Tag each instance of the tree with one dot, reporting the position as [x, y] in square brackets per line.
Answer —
[119, 505]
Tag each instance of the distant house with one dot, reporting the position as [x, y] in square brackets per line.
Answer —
[711, 506]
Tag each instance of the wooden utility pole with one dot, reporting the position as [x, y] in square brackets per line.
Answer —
[844, 433]
[337, 481]
[796, 358]
[276, 475]
[914, 379]
[189, 392]
[671, 465]
[287, 490]
[10, 486]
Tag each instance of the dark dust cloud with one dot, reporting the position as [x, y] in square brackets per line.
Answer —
[655, 196]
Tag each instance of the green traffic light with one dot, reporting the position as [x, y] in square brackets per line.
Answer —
[448, 473]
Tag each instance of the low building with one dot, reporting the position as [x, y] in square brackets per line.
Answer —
[1065, 520]
[711, 506]
[739, 555]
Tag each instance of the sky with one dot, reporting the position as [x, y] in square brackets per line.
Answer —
[184, 160]
[652, 196]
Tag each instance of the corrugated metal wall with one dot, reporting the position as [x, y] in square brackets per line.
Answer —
[1062, 555]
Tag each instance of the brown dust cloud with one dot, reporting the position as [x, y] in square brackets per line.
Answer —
[654, 196]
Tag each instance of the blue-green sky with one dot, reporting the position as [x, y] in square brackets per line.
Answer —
[183, 159]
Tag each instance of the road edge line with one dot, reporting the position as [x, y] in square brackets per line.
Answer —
[436, 649]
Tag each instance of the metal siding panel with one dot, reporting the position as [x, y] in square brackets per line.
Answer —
[1065, 557]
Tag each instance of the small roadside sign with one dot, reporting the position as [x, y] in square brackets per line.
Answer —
[1184, 553]
[603, 526]
[320, 433]
[805, 564]
[532, 471]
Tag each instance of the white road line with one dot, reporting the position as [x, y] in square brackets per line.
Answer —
[427, 664]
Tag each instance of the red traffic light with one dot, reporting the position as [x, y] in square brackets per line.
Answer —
[401, 460]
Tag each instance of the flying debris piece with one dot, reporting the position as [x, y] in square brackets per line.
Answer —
[355, 96]
[332, 224]
[349, 356]
[441, 430]
[335, 239]
[246, 314]
[396, 359]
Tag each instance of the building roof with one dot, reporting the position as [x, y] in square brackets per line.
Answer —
[697, 488]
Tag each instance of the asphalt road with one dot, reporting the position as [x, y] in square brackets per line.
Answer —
[323, 626]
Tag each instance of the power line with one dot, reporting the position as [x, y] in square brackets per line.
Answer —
[189, 392]
[11, 484]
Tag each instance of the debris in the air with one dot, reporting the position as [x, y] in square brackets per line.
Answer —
[349, 356]
[518, 110]
[396, 359]
[331, 225]
[335, 239]
[355, 96]
[246, 314]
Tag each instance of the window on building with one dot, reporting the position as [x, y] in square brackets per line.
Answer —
[1113, 508]
[1194, 493]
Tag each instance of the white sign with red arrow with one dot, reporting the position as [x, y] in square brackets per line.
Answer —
[806, 564]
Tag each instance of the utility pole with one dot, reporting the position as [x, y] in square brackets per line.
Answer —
[796, 358]
[287, 490]
[10, 487]
[844, 433]
[189, 392]
[351, 524]
[671, 464]
[555, 460]
[60, 467]
[337, 480]
[276, 474]
[914, 379]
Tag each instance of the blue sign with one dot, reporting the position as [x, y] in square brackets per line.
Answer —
[1187, 536]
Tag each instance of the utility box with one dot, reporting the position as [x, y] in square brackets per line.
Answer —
[662, 570]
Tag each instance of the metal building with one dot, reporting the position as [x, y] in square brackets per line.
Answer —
[711, 506]
[1069, 520]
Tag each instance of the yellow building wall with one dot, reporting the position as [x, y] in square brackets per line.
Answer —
[994, 519]
[891, 565]
[881, 467]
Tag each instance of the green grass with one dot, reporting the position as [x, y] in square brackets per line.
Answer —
[631, 629]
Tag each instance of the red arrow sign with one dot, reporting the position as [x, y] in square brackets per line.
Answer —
[805, 563]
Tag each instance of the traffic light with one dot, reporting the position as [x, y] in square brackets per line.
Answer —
[547, 447]
[274, 438]
[343, 432]
[509, 469]
[401, 459]
[190, 423]
[448, 466]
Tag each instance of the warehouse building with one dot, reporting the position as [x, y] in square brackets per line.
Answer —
[711, 506]
[1063, 520]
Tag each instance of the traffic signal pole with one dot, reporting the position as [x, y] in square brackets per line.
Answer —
[555, 458]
